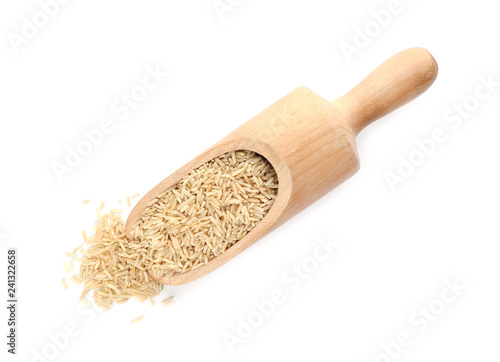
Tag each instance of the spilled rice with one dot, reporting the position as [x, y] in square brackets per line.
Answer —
[199, 218]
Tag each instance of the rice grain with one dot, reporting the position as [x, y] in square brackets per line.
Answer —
[199, 218]
[167, 301]
[138, 319]
[207, 211]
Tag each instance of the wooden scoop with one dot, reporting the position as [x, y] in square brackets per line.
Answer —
[309, 141]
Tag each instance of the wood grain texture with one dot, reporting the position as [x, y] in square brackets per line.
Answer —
[395, 82]
[309, 141]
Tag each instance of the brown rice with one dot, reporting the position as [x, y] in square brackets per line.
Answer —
[199, 218]
[138, 319]
[207, 212]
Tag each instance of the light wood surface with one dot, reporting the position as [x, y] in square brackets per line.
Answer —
[309, 141]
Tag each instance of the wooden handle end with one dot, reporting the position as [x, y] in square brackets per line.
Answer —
[395, 82]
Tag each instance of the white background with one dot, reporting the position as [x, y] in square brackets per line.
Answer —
[397, 246]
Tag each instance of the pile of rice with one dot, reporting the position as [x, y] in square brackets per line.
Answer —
[199, 218]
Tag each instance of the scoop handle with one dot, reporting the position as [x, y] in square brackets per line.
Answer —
[395, 82]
